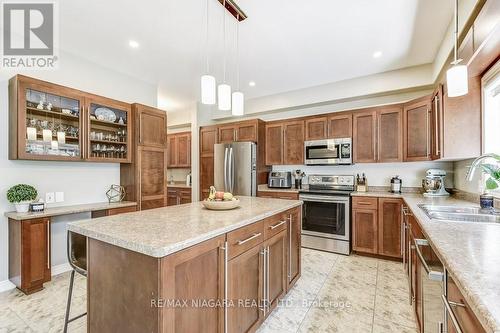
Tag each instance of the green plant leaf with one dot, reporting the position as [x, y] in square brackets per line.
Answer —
[21, 192]
[492, 170]
[491, 184]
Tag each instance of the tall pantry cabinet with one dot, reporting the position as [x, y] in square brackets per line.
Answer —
[145, 179]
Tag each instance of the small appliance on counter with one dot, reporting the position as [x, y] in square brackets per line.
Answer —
[299, 175]
[188, 179]
[396, 184]
[280, 179]
[361, 183]
[433, 183]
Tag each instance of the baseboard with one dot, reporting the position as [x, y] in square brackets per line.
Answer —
[59, 269]
[6, 285]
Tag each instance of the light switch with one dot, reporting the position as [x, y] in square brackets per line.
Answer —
[49, 197]
[59, 196]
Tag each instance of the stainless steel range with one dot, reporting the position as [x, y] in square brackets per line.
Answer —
[326, 213]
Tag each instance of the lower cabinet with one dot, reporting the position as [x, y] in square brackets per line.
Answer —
[294, 246]
[377, 226]
[279, 195]
[276, 279]
[178, 196]
[29, 254]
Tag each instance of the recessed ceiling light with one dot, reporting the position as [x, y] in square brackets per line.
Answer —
[133, 44]
[251, 83]
[377, 54]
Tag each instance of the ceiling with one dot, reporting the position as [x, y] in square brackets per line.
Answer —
[284, 45]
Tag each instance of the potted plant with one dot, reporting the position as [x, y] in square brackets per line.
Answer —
[21, 195]
[492, 171]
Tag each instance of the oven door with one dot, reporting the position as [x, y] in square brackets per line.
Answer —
[326, 216]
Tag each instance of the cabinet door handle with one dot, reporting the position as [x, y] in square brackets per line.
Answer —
[48, 245]
[268, 269]
[241, 242]
[279, 224]
[427, 119]
[264, 279]
[410, 268]
[290, 248]
[449, 312]
[226, 258]
[436, 141]
[433, 275]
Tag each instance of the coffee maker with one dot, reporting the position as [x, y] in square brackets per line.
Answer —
[433, 183]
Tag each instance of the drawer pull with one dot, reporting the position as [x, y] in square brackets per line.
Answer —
[277, 225]
[364, 203]
[432, 275]
[241, 242]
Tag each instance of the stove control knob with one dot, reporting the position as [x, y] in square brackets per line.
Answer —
[341, 180]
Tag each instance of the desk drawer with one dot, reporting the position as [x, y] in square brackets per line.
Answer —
[275, 224]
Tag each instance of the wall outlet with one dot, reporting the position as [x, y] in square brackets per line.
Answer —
[49, 197]
[59, 196]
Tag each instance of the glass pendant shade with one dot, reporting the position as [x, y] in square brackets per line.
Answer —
[224, 97]
[238, 102]
[457, 81]
[208, 89]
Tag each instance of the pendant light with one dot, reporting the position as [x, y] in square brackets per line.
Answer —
[207, 80]
[224, 90]
[457, 76]
[238, 99]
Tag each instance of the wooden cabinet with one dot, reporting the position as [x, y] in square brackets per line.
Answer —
[340, 125]
[294, 246]
[365, 136]
[248, 288]
[145, 178]
[417, 130]
[415, 272]
[365, 230]
[316, 128]
[466, 318]
[239, 132]
[376, 224]
[390, 134]
[77, 125]
[437, 123]
[276, 280]
[29, 254]
[274, 144]
[178, 195]
[389, 227]
[285, 143]
[278, 195]
[194, 274]
[179, 150]
[208, 138]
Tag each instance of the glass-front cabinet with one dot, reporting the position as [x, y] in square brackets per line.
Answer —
[109, 130]
[50, 122]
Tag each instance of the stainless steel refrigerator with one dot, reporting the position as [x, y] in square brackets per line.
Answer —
[235, 168]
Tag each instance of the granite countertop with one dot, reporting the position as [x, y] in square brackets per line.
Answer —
[469, 251]
[162, 231]
[65, 210]
[265, 188]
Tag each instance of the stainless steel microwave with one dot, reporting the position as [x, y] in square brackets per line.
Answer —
[328, 152]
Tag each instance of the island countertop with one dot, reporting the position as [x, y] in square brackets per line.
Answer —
[163, 231]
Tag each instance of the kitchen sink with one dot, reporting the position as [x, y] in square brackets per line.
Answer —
[463, 214]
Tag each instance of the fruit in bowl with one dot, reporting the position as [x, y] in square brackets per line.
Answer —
[215, 195]
[220, 200]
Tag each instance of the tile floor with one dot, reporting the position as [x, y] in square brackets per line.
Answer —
[335, 294]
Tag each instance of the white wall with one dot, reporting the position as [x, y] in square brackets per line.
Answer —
[379, 174]
[81, 182]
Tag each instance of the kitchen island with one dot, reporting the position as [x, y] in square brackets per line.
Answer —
[188, 269]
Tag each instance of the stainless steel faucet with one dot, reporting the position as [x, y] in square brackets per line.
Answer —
[475, 163]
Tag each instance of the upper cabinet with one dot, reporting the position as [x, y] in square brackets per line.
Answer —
[365, 136]
[109, 127]
[151, 126]
[285, 142]
[56, 123]
[243, 131]
[316, 128]
[46, 121]
[390, 134]
[179, 150]
[340, 125]
[417, 129]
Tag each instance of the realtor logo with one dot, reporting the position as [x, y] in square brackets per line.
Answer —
[29, 35]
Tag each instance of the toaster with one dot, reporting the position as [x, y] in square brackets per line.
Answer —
[280, 179]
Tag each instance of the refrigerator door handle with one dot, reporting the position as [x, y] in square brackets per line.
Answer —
[226, 169]
[231, 170]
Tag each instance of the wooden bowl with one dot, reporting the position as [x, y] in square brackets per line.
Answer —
[221, 205]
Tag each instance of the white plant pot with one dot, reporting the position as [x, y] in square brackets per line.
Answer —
[23, 206]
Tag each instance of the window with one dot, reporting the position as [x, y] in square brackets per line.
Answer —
[491, 110]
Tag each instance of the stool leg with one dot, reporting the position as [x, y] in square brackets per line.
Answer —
[68, 306]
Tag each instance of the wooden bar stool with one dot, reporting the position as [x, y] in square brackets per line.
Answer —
[77, 258]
